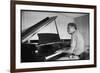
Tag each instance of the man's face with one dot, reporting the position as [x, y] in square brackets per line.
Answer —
[70, 29]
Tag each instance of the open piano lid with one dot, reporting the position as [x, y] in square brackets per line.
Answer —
[36, 28]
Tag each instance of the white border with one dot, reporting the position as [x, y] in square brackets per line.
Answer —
[20, 65]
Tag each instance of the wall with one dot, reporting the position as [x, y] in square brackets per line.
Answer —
[5, 37]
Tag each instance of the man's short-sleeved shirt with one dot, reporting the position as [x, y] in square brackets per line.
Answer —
[78, 42]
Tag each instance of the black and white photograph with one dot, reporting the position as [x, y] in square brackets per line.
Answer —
[54, 36]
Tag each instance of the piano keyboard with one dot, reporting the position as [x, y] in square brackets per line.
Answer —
[57, 53]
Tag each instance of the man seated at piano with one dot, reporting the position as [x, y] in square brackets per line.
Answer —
[76, 50]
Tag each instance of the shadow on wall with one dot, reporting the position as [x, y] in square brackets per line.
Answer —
[83, 26]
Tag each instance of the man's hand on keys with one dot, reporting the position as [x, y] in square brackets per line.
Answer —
[58, 51]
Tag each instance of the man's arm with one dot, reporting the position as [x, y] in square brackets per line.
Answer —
[73, 44]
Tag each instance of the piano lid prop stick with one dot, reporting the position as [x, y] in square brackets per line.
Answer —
[56, 27]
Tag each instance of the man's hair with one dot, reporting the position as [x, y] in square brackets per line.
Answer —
[72, 25]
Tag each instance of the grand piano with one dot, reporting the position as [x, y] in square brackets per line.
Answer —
[45, 48]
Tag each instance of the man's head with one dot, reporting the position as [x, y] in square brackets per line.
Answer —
[71, 28]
